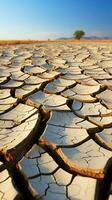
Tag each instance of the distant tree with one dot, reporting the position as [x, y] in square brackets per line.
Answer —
[78, 34]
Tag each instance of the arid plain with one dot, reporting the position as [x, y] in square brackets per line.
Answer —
[56, 120]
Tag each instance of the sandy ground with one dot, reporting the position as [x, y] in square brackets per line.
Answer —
[13, 42]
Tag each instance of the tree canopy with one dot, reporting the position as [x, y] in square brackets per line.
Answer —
[78, 34]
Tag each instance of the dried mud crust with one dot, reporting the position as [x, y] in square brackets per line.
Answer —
[56, 121]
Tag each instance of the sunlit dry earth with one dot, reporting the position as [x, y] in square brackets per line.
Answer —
[56, 118]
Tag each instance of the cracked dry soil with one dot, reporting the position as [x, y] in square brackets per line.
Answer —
[56, 121]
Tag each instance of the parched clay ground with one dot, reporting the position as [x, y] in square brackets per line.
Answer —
[56, 120]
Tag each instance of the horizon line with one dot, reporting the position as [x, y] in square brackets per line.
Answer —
[17, 42]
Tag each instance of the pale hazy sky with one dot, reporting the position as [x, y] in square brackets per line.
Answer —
[43, 19]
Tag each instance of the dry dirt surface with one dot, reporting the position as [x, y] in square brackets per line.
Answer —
[56, 121]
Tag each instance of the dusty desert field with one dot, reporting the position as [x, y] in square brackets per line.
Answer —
[17, 42]
[56, 120]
